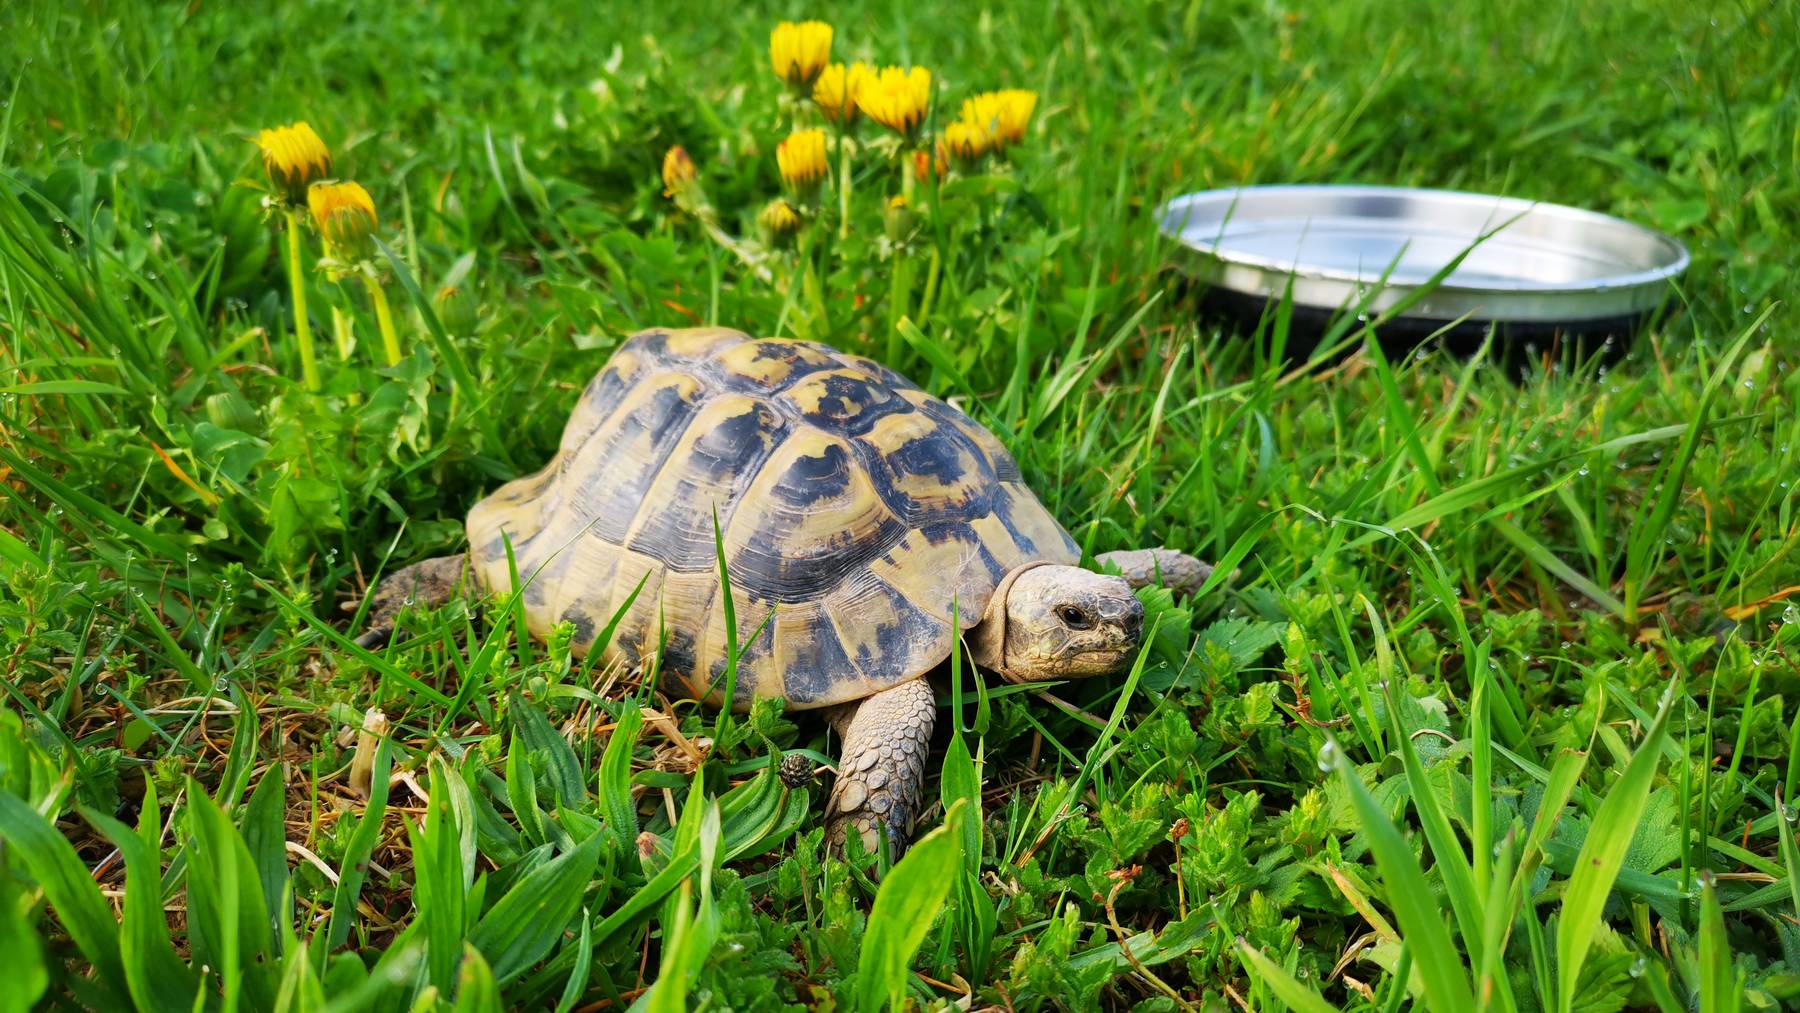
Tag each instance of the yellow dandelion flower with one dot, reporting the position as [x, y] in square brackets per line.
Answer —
[896, 98]
[295, 158]
[835, 91]
[802, 159]
[345, 216]
[1003, 115]
[800, 51]
[678, 171]
[965, 141]
[779, 218]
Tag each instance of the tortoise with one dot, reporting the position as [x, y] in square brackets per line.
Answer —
[854, 512]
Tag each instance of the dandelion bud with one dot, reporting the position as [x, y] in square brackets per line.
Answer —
[344, 214]
[294, 158]
[678, 171]
[802, 159]
[456, 310]
[925, 164]
[898, 220]
[779, 219]
[230, 410]
[800, 51]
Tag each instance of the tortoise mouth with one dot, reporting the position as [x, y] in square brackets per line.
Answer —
[1105, 662]
[1081, 665]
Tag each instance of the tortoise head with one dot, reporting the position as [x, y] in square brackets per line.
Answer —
[1048, 621]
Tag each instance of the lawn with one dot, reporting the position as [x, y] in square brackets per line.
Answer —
[1497, 712]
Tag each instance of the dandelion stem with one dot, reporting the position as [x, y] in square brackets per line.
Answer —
[843, 187]
[932, 270]
[810, 288]
[899, 294]
[900, 285]
[342, 332]
[309, 366]
[384, 319]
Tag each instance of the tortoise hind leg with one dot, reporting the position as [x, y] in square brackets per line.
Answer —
[1178, 571]
[430, 582]
[881, 767]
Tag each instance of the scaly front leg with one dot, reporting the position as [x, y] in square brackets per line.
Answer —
[881, 769]
[1179, 571]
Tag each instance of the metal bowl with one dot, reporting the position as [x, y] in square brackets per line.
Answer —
[1544, 266]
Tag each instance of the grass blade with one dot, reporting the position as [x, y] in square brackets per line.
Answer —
[527, 922]
[228, 918]
[908, 902]
[266, 839]
[1720, 987]
[157, 977]
[563, 768]
[66, 884]
[615, 779]
[440, 891]
[1301, 998]
[1446, 851]
[1421, 923]
[1603, 853]
[355, 866]
[21, 952]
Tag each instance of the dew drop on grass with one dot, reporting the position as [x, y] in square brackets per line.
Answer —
[1639, 966]
[1328, 756]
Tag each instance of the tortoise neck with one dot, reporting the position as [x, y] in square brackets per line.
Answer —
[987, 640]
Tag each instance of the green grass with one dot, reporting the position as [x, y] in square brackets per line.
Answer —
[1498, 712]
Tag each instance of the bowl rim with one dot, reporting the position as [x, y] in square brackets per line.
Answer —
[1171, 213]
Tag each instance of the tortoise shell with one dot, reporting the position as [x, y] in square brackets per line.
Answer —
[853, 508]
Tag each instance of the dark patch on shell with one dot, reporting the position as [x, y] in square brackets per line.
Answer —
[724, 460]
[810, 669]
[678, 653]
[610, 499]
[851, 405]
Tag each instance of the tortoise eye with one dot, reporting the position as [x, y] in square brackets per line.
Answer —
[1074, 618]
